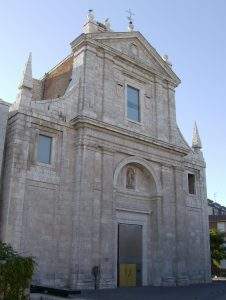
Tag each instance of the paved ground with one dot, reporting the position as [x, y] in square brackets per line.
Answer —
[214, 291]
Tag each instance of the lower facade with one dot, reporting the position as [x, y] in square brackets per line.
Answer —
[106, 213]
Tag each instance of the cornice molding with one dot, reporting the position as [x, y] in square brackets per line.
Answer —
[94, 39]
[135, 211]
[2, 102]
[142, 39]
[82, 121]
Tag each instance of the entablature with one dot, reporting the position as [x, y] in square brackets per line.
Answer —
[83, 121]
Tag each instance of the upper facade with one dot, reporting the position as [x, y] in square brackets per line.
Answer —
[114, 78]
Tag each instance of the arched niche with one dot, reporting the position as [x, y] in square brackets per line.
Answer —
[136, 175]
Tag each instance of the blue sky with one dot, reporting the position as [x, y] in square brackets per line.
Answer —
[191, 32]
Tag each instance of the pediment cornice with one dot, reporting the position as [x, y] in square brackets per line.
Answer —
[103, 40]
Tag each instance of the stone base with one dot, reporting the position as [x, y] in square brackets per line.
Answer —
[168, 281]
[182, 281]
[44, 297]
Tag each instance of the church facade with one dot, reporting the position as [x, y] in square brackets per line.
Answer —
[97, 177]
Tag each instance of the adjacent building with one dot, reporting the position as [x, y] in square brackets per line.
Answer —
[217, 220]
[215, 208]
[97, 175]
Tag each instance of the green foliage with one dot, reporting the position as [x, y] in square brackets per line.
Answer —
[15, 273]
[217, 249]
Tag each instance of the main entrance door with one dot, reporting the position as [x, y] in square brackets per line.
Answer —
[129, 255]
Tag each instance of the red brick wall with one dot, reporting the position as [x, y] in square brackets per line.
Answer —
[56, 82]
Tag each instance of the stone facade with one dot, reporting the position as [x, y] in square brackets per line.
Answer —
[66, 213]
[4, 109]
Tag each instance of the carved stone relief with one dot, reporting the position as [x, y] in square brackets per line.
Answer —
[133, 50]
[149, 96]
[92, 101]
[119, 84]
[119, 88]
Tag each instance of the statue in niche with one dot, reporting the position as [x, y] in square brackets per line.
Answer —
[130, 178]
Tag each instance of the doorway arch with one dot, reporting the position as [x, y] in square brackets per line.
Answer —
[136, 190]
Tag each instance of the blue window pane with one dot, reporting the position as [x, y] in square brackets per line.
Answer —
[133, 105]
[44, 149]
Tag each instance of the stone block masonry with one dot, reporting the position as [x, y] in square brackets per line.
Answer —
[4, 110]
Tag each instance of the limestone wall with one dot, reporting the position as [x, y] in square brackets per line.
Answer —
[66, 213]
[105, 86]
[37, 198]
[4, 108]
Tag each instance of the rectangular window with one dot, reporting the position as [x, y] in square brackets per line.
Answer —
[44, 149]
[191, 184]
[133, 104]
[221, 226]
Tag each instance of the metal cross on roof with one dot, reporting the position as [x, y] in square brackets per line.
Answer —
[130, 15]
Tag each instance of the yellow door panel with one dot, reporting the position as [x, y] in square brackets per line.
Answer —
[127, 275]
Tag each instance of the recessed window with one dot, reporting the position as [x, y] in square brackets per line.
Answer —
[44, 149]
[133, 104]
[191, 184]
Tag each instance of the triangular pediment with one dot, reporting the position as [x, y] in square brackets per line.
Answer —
[134, 46]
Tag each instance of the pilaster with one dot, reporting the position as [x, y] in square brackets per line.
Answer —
[181, 229]
[157, 239]
[107, 246]
[168, 220]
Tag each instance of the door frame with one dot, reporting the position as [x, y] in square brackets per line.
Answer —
[134, 218]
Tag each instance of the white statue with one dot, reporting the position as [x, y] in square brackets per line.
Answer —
[130, 178]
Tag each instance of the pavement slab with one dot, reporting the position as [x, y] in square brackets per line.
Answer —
[214, 291]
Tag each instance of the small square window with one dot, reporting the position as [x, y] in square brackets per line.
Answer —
[44, 149]
[191, 184]
[133, 104]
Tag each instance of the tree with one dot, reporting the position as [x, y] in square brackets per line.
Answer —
[15, 273]
[218, 252]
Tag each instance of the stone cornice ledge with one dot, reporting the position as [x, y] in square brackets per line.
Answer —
[90, 122]
[96, 38]
[135, 211]
[2, 102]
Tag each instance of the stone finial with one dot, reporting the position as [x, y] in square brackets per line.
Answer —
[93, 26]
[130, 25]
[196, 141]
[90, 15]
[166, 59]
[27, 81]
[107, 24]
